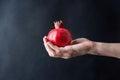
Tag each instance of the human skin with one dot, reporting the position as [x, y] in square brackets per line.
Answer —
[82, 46]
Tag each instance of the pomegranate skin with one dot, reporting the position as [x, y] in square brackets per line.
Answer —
[60, 36]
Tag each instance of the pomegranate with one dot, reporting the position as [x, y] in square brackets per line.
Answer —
[59, 36]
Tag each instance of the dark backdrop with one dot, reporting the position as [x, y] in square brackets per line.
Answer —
[23, 23]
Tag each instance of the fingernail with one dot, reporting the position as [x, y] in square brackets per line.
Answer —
[48, 43]
[44, 37]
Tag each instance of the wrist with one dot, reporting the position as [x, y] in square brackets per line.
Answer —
[94, 48]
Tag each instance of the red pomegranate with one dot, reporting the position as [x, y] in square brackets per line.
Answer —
[59, 36]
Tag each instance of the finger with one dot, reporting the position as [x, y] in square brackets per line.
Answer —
[56, 49]
[79, 40]
[49, 50]
[52, 46]
[74, 42]
[45, 39]
[49, 43]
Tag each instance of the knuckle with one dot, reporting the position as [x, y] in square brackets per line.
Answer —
[66, 57]
[83, 39]
[52, 54]
[58, 51]
[55, 55]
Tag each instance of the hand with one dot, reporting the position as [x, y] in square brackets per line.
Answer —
[80, 46]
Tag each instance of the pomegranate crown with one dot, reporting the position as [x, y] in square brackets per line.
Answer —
[58, 24]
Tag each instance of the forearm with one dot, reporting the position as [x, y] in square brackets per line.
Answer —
[106, 49]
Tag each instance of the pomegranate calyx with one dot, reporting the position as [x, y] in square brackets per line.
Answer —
[58, 24]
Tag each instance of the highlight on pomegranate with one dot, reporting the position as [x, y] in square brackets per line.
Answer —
[59, 36]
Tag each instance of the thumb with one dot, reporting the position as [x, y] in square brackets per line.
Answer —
[79, 40]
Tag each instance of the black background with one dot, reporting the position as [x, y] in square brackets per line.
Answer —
[23, 24]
